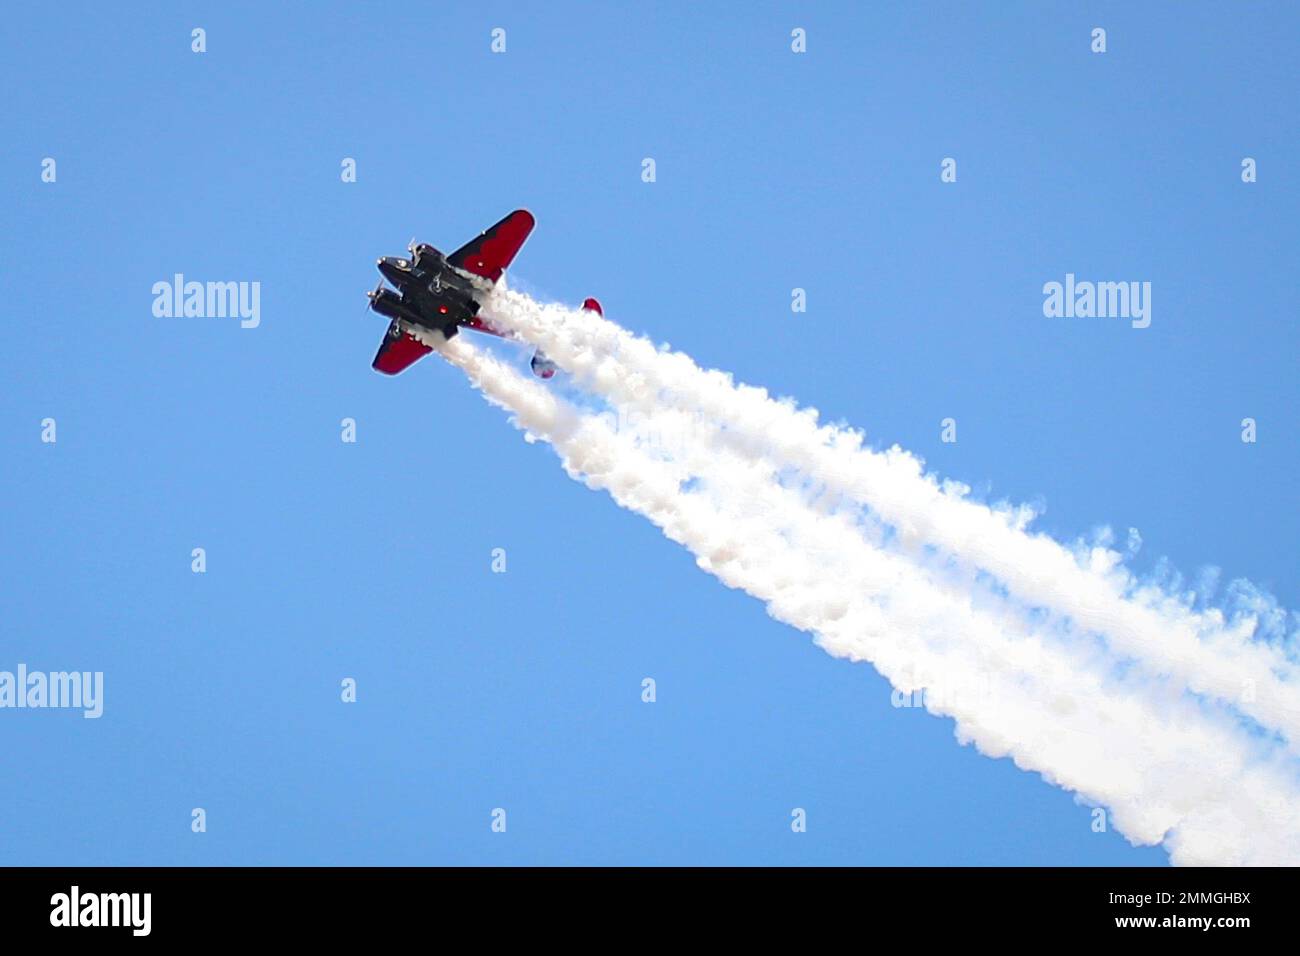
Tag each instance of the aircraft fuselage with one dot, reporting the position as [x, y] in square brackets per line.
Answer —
[430, 292]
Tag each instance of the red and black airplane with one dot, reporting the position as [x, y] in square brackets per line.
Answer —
[437, 292]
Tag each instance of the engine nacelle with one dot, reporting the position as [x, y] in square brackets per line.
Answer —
[388, 303]
[426, 256]
[397, 271]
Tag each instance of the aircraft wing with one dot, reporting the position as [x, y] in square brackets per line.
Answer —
[488, 254]
[397, 353]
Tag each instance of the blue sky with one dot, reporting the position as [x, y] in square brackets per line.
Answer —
[372, 560]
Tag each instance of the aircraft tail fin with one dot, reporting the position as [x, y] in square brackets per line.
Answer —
[544, 367]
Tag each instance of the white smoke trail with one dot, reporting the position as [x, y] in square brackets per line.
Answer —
[1203, 786]
[1227, 659]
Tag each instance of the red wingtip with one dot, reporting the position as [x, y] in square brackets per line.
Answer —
[591, 305]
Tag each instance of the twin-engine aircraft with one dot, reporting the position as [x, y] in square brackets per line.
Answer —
[437, 293]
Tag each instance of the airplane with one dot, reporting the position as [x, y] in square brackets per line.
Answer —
[437, 292]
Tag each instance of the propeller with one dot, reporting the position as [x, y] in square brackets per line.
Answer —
[394, 326]
[370, 296]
